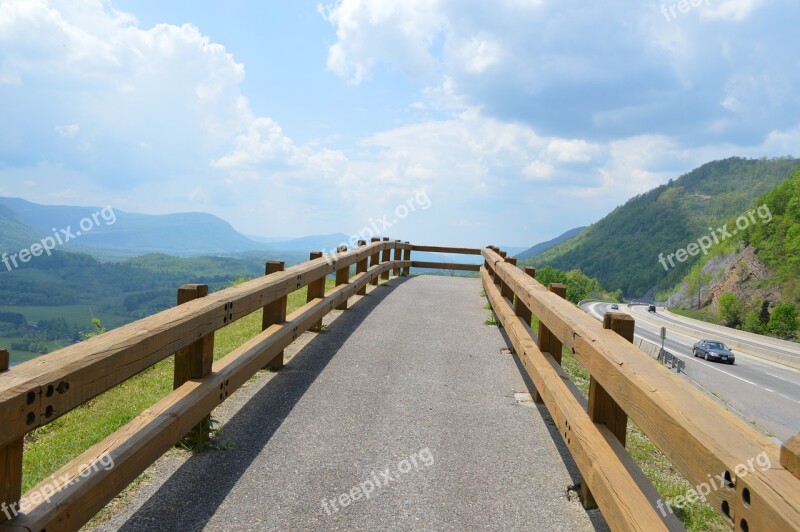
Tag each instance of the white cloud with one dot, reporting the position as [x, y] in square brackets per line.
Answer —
[68, 131]
[736, 10]
[585, 70]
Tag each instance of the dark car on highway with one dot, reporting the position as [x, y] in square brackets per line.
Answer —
[713, 350]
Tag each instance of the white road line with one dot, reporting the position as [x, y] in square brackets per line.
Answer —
[708, 365]
[781, 378]
[760, 387]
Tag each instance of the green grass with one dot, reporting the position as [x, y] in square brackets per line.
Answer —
[49, 447]
[702, 315]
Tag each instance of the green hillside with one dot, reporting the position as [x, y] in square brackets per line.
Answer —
[622, 250]
[544, 246]
[14, 233]
[777, 243]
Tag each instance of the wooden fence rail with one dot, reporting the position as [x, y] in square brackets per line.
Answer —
[39, 391]
[704, 441]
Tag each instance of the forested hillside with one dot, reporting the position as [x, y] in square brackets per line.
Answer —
[622, 250]
[777, 243]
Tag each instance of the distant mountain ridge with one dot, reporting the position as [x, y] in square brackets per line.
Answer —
[622, 250]
[544, 246]
[129, 234]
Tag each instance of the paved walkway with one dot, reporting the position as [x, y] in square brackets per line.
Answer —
[409, 399]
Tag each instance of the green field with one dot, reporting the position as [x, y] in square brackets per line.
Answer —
[18, 356]
[74, 314]
[78, 315]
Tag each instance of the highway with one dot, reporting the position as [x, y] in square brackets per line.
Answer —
[764, 393]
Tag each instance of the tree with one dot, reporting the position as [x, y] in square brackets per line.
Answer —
[783, 321]
[763, 316]
[695, 281]
[729, 309]
[752, 323]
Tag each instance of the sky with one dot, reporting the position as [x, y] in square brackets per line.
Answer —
[450, 122]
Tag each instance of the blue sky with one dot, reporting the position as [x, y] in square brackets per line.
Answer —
[517, 119]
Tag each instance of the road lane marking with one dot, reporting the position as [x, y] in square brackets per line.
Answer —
[781, 378]
[708, 365]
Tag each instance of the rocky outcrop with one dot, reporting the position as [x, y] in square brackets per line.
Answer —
[744, 277]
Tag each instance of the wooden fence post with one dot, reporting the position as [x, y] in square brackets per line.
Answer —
[520, 309]
[602, 408]
[342, 277]
[548, 342]
[407, 257]
[274, 313]
[790, 455]
[194, 362]
[361, 267]
[375, 259]
[316, 290]
[398, 255]
[387, 256]
[10, 465]
[497, 280]
[506, 290]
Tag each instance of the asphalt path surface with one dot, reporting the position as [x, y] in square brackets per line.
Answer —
[407, 395]
[764, 393]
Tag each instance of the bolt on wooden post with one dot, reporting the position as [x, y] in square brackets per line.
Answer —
[387, 256]
[398, 255]
[602, 408]
[407, 258]
[375, 259]
[342, 277]
[195, 360]
[10, 464]
[548, 342]
[315, 290]
[274, 313]
[361, 267]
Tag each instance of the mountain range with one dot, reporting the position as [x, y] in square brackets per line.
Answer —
[624, 249]
[116, 234]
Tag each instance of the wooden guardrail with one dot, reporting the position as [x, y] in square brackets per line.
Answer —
[446, 265]
[710, 446]
[704, 441]
[37, 392]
